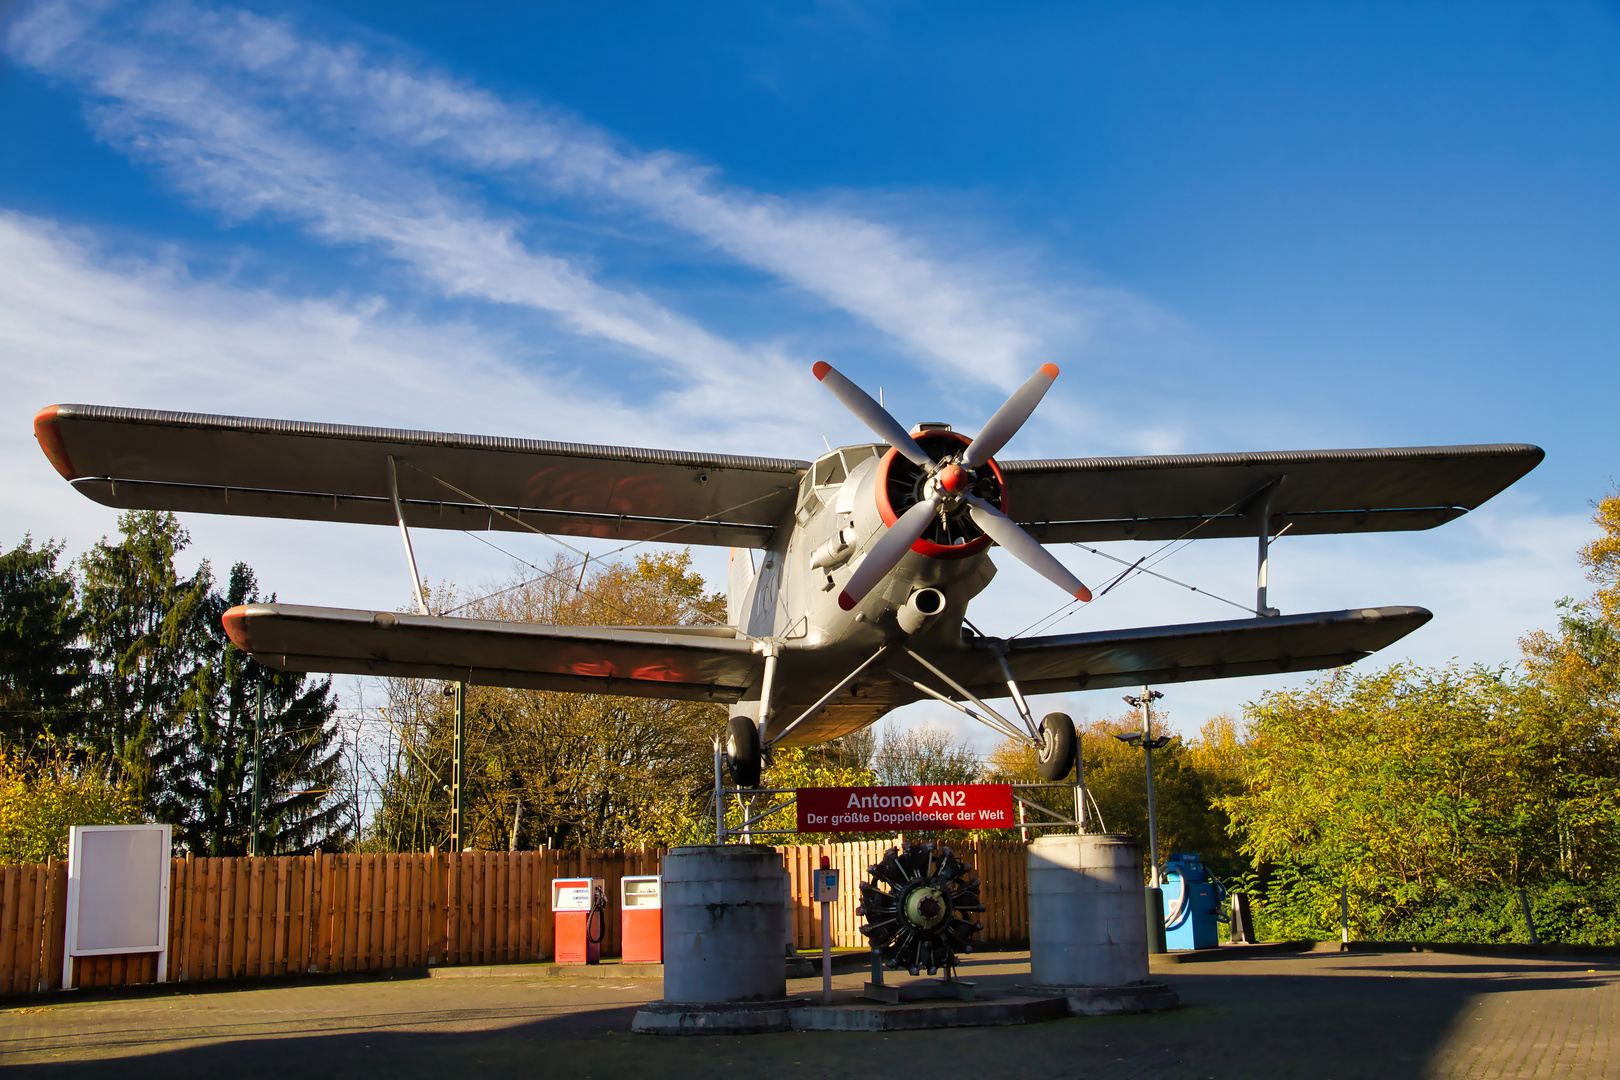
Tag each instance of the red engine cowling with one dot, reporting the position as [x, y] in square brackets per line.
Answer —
[899, 485]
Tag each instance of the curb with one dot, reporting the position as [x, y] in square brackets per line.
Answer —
[704, 1018]
[1001, 1013]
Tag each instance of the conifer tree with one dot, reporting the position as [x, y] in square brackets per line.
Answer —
[210, 790]
[145, 628]
[42, 665]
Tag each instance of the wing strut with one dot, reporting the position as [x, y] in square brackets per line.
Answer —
[405, 535]
[844, 684]
[991, 719]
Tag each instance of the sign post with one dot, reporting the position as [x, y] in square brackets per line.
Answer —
[825, 892]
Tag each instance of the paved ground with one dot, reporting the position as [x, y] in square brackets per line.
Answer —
[1321, 1015]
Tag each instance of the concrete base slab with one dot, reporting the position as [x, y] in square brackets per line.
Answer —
[710, 1018]
[998, 1012]
[1143, 997]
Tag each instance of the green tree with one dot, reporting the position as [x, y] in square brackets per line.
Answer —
[209, 793]
[1187, 778]
[146, 630]
[47, 790]
[42, 664]
[923, 755]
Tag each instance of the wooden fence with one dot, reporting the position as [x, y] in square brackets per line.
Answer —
[281, 916]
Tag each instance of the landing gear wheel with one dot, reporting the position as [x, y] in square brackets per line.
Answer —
[743, 759]
[1055, 755]
[917, 908]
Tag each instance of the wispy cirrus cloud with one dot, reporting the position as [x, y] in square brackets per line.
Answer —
[256, 114]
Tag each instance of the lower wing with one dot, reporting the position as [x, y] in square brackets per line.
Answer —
[684, 663]
[1155, 655]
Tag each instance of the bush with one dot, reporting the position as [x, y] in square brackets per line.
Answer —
[1565, 912]
[43, 793]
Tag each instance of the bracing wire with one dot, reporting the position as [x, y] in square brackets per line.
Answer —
[585, 556]
[1141, 566]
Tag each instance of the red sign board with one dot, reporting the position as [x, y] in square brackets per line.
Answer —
[898, 809]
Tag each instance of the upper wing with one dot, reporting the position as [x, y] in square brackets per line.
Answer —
[136, 459]
[1156, 655]
[682, 663]
[1211, 495]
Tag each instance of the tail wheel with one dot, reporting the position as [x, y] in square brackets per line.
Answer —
[1055, 756]
[916, 908]
[742, 752]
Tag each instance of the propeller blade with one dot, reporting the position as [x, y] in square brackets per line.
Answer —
[872, 414]
[890, 548]
[1023, 547]
[1009, 418]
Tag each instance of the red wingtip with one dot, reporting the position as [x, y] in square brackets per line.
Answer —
[1084, 595]
[820, 369]
[235, 621]
[846, 601]
[50, 441]
[1049, 370]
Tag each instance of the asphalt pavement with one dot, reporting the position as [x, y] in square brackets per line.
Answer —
[1334, 1016]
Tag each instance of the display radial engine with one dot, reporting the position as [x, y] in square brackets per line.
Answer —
[850, 576]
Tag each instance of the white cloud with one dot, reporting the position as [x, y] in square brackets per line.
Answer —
[77, 327]
[219, 94]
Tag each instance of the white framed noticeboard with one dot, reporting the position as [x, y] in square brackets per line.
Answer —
[117, 894]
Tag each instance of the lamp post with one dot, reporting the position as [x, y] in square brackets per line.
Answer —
[1145, 739]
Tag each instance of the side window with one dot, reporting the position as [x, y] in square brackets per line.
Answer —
[808, 501]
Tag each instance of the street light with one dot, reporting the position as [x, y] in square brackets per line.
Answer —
[1146, 740]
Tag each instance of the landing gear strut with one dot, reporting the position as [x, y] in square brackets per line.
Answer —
[743, 756]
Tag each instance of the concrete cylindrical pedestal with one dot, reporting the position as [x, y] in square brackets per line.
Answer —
[1086, 926]
[723, 916]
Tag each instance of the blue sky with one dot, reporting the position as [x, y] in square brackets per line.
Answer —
[1234, 226]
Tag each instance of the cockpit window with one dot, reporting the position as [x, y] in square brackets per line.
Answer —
[854, 455]
[830, 470]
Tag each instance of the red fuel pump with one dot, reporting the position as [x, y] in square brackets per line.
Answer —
[641, 903]
[579, 917]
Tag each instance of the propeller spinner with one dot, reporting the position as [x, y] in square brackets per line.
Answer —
[947, 484]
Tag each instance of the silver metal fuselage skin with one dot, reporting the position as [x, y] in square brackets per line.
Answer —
[792, 601]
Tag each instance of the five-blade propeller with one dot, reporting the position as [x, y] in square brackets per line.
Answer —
[948, 485]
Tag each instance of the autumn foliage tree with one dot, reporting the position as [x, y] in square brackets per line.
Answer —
[558, 769]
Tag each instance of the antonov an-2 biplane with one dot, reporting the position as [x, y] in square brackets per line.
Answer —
[868, 558]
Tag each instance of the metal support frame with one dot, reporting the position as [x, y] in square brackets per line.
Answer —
[405, 537]
[844, 684]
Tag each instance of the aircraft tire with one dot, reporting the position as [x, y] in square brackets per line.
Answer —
[743, 759]
[1055, 756]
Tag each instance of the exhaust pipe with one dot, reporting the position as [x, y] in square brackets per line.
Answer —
[920, 607]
